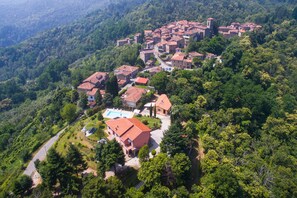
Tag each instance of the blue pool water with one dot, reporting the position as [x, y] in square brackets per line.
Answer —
[118, 114]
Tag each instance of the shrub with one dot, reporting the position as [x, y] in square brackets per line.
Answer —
[154, 152]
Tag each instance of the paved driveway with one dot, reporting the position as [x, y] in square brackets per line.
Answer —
[157, 135]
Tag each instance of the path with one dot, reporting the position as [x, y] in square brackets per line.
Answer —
[164, 66]
[41, 154]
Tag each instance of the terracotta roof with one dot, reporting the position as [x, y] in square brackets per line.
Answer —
[125, 70]
[102, 92]
[172, 43]
[188, 60]
[127, 128]
[133, 94]
[163, 102]
[86, 86]
[92, 92]
[179, 56]
[121, 82]
[141, 80]
[155, 69]
[119, 126]
[96, 77]
[147, 52]
[195, 54]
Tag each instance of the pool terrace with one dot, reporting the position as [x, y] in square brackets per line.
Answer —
[117, 113]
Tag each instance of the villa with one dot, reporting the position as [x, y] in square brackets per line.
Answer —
[96, 80]
[125, 73]
[163, 105]
[181, 60]
[91, 86]
[132, 96]
[123, 42]
[130, 133]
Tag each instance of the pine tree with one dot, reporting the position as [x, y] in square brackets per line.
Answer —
[112, 86]
[75, 159]
[110, 154]
[55, 171]
[151, 110]
[22, 185]
[98, 98]
[83, 100]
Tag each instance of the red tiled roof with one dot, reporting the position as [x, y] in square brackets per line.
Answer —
[119, 126]
[96, 77]
[92, 92]
[195, 54]
[172, 43]
[133, 94]
[86, 86]
[163, 102]
[141, 80]
[127, 128]
[179, 56]
[121, 82]
[125, 70]
[102, 92]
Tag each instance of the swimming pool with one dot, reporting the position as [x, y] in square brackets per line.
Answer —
[117, 113]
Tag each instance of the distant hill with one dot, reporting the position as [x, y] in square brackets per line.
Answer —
[22, 19]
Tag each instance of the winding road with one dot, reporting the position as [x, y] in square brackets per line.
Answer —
[41, 154]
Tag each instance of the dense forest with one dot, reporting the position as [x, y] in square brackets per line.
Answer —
[237, 118]
[21, 19]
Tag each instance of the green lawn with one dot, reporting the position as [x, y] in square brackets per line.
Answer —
[151, 122]
[86, 145]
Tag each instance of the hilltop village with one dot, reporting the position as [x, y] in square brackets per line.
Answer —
[176, 36]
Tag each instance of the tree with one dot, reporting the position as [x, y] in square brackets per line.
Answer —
[110, 154]
[98, 98]
[143, 154]
[151, 111]
[22, 185]
[55, 172]
[223, 182]
[68, 112]
[165, 170]
[155, 111]
[114, 187]
[83, 100]
[75, 159]
[93, 187]
[181, 166]
[134, 193]
[100, 116]
[112, 86]
[159, 191]
[176, 140]
[117, 102]
[294, 13]
[159, 81]
[74, 96]
[107, 100]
